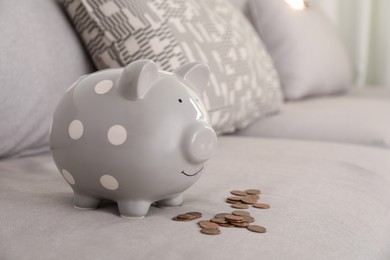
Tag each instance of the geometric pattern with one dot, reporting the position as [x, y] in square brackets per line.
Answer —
[243, 83]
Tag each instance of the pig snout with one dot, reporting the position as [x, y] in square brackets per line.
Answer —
[200, 143]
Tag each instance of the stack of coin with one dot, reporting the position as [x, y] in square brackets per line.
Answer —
[237, 218]
[188, 216]
[243, 199]
[209, 228]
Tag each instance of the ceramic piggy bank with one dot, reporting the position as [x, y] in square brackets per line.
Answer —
[134, 135]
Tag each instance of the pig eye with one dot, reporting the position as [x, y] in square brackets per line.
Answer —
[180, 100]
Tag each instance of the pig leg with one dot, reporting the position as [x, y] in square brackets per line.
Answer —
[85, 202]
[173, 201]
[133, 209]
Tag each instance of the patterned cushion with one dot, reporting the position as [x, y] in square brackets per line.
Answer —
[244, 83]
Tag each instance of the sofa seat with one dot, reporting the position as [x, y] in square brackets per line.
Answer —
[328, 201]
[360, 117]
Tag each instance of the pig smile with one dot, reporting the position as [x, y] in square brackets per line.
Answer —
[186, 174]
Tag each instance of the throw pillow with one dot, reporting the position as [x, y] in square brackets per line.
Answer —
[40, 56]
[244, 83]
[307, 51]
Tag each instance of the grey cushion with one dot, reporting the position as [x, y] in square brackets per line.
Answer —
[306, 49]
[244, 83]
[328, 201]
[359, 118]
[370, 92]
[40, 57]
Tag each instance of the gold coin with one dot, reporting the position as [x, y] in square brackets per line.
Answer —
[261, 205]
[210, 231]
[256, 228]
[238, 193]
[240, 213]
[208, 224]
[253, 192]
[240, 206]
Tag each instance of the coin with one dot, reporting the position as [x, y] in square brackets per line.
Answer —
[195, 214]
[254, 196]
[240, 213]
[248, 200]
[241, 225]
[218, 220]
[207, 224]
[240, 206]
[233, 218]
[248, 219]
[226, 225]
[181, 219]
[232, 201]
[185, 216]
[238, 193]
[253, 192]
[210, 231]
[261, 205]
[221, 215]
[256, 228]
[234, 198]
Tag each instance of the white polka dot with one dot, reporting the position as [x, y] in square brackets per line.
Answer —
[76, 129]
[109, 182]
[68, 177]
[117, 135]
[103, 86]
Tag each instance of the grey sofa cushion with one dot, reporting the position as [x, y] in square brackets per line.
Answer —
[243, 82]
[328, 201]
[360, 118]
[371, 92]
[307, 51]
[40, 57]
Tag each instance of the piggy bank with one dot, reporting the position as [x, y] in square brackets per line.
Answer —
[135, 135]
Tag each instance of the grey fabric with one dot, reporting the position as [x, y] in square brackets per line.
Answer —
[360, 118]
[243, 83]
[40, 56]
[306, 49]
[328, 201]
[370, 92]
[241, 5]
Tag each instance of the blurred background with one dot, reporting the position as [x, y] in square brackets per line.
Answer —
[365, 30]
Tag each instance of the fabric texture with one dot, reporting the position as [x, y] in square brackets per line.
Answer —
[244, 83]
[41, 56]
[328, 201]
[360, 117]
[307, 51]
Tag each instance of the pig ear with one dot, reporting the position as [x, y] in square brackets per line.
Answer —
[136, 79]
[197, 74]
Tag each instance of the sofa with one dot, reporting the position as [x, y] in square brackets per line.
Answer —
[322, 163]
